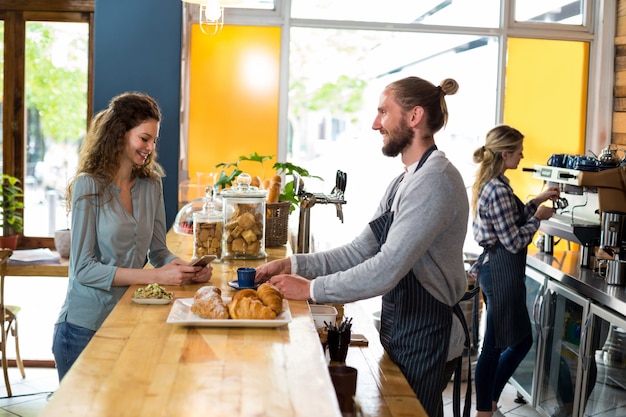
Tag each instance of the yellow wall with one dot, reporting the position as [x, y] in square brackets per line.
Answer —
[233, 100]
[546, 99]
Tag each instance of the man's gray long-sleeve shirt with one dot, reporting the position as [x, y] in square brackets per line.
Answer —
[427, 235]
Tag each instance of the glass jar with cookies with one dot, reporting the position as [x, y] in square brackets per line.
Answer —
[244, 220]
[208, 228]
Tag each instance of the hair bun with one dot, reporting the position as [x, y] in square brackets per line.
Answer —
[449, 86]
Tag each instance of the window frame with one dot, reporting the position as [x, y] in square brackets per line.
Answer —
[598, 29]
[15, 15]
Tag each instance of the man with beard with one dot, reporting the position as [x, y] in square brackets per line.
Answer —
[411, 252]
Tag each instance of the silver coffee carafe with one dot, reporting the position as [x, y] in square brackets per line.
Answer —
[612, 236]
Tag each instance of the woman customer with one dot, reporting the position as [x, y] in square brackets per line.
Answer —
[503, 226]
[118, 222]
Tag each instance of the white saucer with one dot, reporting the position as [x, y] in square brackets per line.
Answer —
[235, 285]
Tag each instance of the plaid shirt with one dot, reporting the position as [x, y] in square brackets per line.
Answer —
[498, 217]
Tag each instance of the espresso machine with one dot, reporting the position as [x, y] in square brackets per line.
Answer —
[611, 185]
[577, 217]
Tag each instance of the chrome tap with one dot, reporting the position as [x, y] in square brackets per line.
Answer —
[308, 200]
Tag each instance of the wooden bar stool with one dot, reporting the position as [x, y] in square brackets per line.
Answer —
[9, 324]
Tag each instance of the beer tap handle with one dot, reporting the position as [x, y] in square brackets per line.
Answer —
[340, 183]
[339, 211]
[307, 200]
[298, 186]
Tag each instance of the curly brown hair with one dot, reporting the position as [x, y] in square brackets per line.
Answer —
[105, 142]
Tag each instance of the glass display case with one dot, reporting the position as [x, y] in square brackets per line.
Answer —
[560, 366]
[523, 378]
[604, 364]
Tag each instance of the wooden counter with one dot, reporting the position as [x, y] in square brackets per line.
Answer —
[53, 269]
[138, 365]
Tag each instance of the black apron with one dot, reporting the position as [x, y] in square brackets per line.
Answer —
[415, 327]
[508, 280]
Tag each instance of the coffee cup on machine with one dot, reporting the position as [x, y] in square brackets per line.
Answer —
[557, 160]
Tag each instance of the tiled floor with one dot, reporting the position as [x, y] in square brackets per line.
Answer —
[29, 394]
[508, 406]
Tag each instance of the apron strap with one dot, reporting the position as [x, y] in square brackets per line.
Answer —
[456, 392]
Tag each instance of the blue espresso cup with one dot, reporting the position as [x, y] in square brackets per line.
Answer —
[557, 160]
[245, 277]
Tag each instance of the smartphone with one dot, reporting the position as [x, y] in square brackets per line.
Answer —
[203, 261]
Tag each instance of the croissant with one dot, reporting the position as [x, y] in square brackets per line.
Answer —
[250, 309]
[248, 292]
[270, 296]
[207, 290]
[209, 305]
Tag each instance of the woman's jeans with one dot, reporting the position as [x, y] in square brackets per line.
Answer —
[67, 343]
[495, 365]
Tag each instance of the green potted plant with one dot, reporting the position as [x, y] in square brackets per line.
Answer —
[286, 169]
[288, 192]
[11, 205]
[226, 179]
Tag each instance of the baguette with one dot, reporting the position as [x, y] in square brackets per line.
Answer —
[274, 189]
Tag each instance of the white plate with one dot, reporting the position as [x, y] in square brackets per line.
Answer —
[181, 314]
[159, 301]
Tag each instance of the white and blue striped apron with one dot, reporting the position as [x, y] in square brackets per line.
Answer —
[415, 326]
[508, 281]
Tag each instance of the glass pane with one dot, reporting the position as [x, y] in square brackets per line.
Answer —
[525, 372]
[605, 393]
[332, 107]
[431, 12]
[550, 11]
[556, 388]
[1, 85]
[56, 118]
[249, 4]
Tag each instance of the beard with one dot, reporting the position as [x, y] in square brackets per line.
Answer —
[398, 139]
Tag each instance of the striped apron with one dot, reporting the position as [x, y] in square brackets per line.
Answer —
[508, 280]
[415, 326]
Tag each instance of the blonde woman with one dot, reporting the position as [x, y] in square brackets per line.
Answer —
[503, 226]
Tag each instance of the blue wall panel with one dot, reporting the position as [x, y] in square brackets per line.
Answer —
[137, 47]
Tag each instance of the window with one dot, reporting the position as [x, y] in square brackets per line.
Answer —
[332, 107]
[429, 12]
[46, 104]
[564, 12]
[342, 53]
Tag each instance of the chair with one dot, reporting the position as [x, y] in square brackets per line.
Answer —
[9, 324]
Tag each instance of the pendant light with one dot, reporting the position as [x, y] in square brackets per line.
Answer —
[211, 16]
